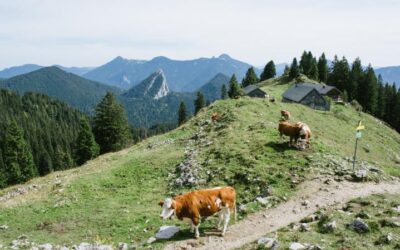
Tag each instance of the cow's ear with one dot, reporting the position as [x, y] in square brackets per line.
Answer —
[161, 203]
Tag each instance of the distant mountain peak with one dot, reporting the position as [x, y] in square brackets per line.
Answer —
[155, 86]
[225, 57]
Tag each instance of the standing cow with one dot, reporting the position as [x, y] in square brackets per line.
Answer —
[202, 203]
[304, 134]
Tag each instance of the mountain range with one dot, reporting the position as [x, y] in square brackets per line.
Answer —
[184, 76]
[52, 81]
[27, 68]
[390, 74]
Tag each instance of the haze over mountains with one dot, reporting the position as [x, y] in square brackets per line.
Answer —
[183, 76]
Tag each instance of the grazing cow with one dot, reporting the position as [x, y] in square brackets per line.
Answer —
[293, 131]
[202, 203]
[304, 134]
[214, 116]
[285, 114]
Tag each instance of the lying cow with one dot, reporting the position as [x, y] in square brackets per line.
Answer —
[202, 203]
[285, 114]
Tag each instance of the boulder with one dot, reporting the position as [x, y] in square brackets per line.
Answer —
[167, 232]
[268, 243]
[46, 246]
[330, 227]
[3, 227]
[359, 226]
[151, 240]
[296, 246]
[122, 246]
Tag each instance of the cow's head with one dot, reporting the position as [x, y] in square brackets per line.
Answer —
[168, 208]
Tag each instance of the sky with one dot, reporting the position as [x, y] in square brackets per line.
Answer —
[92, 32]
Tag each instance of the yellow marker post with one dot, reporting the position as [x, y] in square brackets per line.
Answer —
[358, 136]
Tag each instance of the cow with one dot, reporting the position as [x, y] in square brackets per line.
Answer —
[293, 131]
[285, 114]
[199, 204]
[304, 135]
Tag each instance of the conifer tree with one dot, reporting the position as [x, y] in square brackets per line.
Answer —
[3, 180]
[313, 74]
[269, 71]
[234, 88]
[294, 69]
[323, 69]
[286, 71]
[381, 105]
[250, 78]
[340, 74]
[18, 160]
[355, 78]
[369, 84]
[182, 115]
[86, 146]
[224, 92]
[110, 125]
[199, 103]
[306, 63]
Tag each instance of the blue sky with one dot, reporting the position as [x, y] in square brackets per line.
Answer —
[91, 32]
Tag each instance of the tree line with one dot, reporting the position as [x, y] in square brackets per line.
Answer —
[359, 85]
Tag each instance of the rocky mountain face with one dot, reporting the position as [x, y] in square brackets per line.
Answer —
[155, 87]
[183, 75]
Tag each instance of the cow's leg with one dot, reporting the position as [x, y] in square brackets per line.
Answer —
[280, 137]
[220, 219]
[191, 227]
[227, 214]
[196, 223]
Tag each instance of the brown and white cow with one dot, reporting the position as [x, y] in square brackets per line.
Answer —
[304, 135]
[288, 129]
[202, 203]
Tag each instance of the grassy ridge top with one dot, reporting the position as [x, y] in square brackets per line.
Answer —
[114, 198]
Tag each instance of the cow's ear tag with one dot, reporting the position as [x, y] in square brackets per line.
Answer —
[161, 203]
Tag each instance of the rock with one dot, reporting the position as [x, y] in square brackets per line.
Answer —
[3, 227]
[122, 246]
[87, 246]
[309, 218]
[396, 209]
[384, 239]
[296, 246]
[302, 227]
[360, 175]
[305, 203]
[262, 200]
[46, 246]
[330, 227]
[268, 243]
[359, 226]
[151, 240]
[314, 247]
[166, 232]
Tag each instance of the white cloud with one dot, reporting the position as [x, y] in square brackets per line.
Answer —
[90, 32]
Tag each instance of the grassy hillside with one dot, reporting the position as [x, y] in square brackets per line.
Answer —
[114, 198]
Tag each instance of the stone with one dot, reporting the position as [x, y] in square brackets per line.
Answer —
[262, 200]
[359, 226]
[151, 240]
[122, 246]
[167, 232]
[3, 227]
[296, 246]
[268, 243]
[46, 246]
[330, 227]
[305, 203]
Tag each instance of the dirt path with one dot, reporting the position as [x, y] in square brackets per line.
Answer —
[258, 224]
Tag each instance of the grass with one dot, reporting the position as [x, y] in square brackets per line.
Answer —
[376, 210]
[114, 198]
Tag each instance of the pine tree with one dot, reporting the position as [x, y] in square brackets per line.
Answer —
[250, 78]
[294, 69]
[313, 74]
[306, 63]
[224, 92]
[234, 88]
[381, 104]
[355, 78]
[3, 180]
[269, 71]
[182, 115]
[370, 91]
[199, 103]
[323, 69]
[86, 146]
[339, 77]
[286, 71]
[110, 125]
[18, 158]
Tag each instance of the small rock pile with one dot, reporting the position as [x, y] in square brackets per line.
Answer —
[161, 143]
[19, 191]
